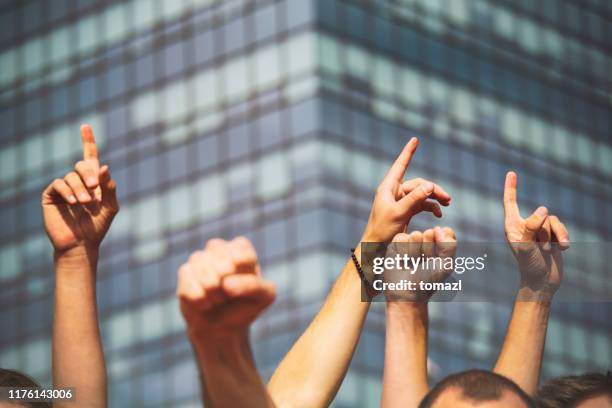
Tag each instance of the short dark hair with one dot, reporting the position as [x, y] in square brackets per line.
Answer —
[569, 391]
[15, 379]
[476, 385]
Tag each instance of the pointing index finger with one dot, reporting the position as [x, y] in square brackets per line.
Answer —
[90, 151]
[399, 167]
[510, 206]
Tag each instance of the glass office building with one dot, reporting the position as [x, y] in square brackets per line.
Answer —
[276, 119]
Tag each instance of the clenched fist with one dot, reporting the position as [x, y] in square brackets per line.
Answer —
[397, 201]
[220, 289]
[537, 242]
[433, 246]
[79, 209]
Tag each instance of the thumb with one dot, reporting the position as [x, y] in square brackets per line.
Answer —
[446, 243]
[108, 188]
[412, 203]
[248, 286]
[533, 224]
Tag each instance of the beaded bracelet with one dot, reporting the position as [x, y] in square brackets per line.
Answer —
[370, 291]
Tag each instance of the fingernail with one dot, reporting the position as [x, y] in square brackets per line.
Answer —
[72, 199]
[91, 181]
[564, 240]
[427, 188]
[542, 211]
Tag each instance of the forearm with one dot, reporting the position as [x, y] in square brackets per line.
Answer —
[520, 358]
[78, 359]
[405, 373]
[311, 373]
[231, 376]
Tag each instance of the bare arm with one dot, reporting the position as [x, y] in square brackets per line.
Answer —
[520, 358]
[221, 292]
[312, 371]
[536, 243]
[78, 360]
[405, 373]
[77, 212]
[233, 379]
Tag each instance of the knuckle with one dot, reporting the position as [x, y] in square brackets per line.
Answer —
[416, 234]
[194, 257]
[182, 272]
[214, 242]
[242, 242]
[71, 176]
[401, 237]
[212, 282]
[224, 267]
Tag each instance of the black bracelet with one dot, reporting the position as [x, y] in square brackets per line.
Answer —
[370, 291]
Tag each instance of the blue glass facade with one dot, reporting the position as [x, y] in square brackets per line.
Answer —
[276, 119]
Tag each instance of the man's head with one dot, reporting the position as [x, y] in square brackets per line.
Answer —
[592, 390]
[476, 388]
[14, 379]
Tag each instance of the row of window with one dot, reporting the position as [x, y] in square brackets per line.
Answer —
[114, 82]
[451, 101]
[49, 60]
[499, 30]
[254, 71]
[86, 34]
[477, 68]
[568, 16]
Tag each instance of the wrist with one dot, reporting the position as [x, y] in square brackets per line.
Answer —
[371, 236]
[541, 293]
[221, 345]
[207, 336]
[76, 257]
[405, 308]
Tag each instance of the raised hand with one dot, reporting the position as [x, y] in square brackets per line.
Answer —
[396, 201]
[436, 245]
[78, 209]
[221, 290]
[536, 241]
